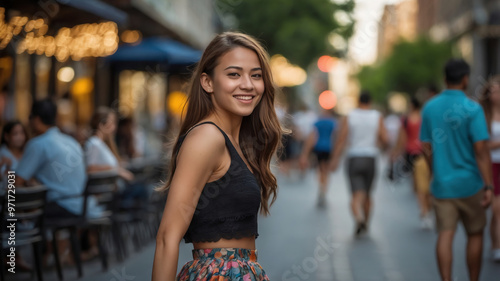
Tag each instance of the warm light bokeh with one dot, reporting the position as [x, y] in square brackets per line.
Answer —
[66, 74]
[327, 100]
[176, 102]
[326, 63]
[286, 74]
[84, 40]
[131, 36]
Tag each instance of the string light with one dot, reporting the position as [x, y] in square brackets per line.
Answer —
[84, 40]
[131, 36]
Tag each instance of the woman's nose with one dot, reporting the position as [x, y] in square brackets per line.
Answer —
[246, 82]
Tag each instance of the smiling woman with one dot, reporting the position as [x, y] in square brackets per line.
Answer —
[220, 173]
[238, 78]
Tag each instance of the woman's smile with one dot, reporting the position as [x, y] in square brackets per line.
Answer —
[247, 99]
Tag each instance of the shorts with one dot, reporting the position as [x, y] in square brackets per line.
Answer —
[361, 172]
[223, 264]
[496, 179]
[422, 175]
[322, 156]
[468, 210]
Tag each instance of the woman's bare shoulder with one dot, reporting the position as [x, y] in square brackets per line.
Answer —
[205, 137]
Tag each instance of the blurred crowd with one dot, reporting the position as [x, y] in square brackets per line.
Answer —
[43, 155]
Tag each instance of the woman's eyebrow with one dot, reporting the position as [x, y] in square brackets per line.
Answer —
[241, 68]
[236, 67]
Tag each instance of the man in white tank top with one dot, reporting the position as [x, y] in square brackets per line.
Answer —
[363, 131]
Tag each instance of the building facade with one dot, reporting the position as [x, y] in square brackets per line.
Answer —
[474, 25]
[398, 22]
[426, 15]
[59, 49]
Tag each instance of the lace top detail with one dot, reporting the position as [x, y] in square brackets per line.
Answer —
[228, 207]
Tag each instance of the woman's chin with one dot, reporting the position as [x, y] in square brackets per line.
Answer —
[243, 112]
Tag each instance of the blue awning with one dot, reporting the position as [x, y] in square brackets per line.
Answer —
[100, 9]
[158, 50]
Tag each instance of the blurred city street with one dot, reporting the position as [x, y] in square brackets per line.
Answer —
[396, 249]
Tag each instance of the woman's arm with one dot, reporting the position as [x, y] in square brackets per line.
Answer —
[99, 168]
[383, 136]
[494, 144]
[339, 144]
[199, 157]
[400, 144]
[307, 148]
[122, 172]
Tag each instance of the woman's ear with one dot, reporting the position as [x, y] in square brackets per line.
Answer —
[206, 83]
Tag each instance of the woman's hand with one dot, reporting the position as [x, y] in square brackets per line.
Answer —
[334, 164]
[303, 162]
[7, 162]
[126, 174]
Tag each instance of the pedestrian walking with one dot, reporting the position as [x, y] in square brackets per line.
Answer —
[491, 105]
[392, 123]
[363, 130]
[454, 134]
[320, 141]
[409, 147]
[220, 169]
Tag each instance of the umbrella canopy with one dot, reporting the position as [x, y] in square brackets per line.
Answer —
[157, 50]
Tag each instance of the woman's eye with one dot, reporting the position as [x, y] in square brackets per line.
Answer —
[257, 75]
[234, 74]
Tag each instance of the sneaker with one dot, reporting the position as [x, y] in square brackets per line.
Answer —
[495, 255]
[360, 229]
[321, 201]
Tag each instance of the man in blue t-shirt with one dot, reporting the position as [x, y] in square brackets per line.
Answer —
[55, 160]
[455, 137]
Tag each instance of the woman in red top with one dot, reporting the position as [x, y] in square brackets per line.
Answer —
[409, 144]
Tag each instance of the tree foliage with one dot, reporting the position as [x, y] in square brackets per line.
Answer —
[410, 66]
[299, 30]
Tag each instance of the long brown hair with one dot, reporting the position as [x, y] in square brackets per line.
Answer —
[485, 99]
[100, 117]
[260, 133]
[125, 137]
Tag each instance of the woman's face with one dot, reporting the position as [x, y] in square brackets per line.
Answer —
[237, 84]
[16, 138]
[495, 93]
[109, 127]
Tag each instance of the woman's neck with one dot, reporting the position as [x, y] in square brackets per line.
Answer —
[229, 123]
[100, 135]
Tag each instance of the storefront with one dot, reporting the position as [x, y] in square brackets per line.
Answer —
[148, 81]
[51, 49]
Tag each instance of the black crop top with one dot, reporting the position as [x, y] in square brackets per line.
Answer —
[228, 207]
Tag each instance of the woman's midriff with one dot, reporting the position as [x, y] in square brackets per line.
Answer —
[243, 243]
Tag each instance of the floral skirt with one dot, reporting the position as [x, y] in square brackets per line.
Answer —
[223, 264]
